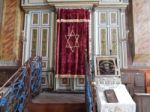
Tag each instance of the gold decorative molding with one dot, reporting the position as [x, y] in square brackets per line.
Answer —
[28, 5]
[86, 3]
[32, 7]
[112, 5]
[63, 1]
[73, 3]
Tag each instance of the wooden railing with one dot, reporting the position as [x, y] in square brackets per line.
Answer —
[21, 87]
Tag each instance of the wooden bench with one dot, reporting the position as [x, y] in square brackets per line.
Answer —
[142, 102]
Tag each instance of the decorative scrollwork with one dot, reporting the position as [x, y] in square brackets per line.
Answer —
[24, 84]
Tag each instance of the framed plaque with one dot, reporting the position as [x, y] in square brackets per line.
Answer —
[106, 66]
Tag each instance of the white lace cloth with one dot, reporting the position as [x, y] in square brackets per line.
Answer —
[125, 104]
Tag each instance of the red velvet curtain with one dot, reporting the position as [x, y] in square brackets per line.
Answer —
[72, 40]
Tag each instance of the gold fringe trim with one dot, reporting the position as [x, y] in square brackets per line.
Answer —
[69, 76]
[72, 20]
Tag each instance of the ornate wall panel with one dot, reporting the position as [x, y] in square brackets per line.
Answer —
[10, 36]
[141, 18]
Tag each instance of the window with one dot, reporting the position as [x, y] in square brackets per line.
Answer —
[40, 28]
[38, 41]
[109, 31]
[38, 35]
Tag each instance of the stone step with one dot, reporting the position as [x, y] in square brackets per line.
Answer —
[55, 102]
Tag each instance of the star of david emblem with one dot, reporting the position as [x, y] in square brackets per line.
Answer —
[72, 40]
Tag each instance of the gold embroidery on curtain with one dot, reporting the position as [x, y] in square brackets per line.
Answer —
[72, 20]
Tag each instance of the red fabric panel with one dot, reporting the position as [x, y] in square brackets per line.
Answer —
[72, 40]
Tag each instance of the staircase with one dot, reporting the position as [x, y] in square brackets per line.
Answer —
[17, 93]
[57, 102]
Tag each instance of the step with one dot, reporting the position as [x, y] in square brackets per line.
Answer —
[57, 102]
